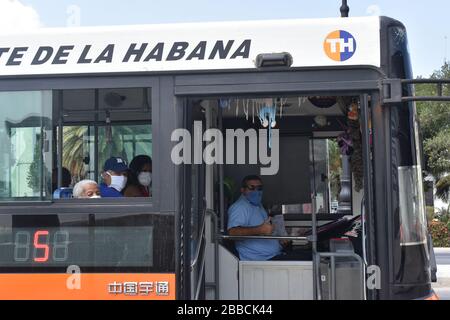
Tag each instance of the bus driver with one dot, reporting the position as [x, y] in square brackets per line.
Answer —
[247, 217]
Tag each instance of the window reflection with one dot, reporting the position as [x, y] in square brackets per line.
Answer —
[25, 145]
[328, 175]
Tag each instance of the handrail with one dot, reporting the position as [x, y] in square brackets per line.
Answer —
[200, 243]
[199, 282]
[426, 98]
[227, 237]
[212, 212]
[201, 253]
[425, 81]
[341, 255]
[214, 218]
[215, 230]
[393, 90]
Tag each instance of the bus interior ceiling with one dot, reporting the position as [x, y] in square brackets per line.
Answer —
[90, 105]
[314, 135]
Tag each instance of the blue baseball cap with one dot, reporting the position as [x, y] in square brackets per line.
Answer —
[115, 164]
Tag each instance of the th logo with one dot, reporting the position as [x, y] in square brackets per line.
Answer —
[339, 45]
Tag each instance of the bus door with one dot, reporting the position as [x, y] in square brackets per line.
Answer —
[314, 188]
[343, 248]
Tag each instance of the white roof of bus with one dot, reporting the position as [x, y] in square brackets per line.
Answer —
[190, 46]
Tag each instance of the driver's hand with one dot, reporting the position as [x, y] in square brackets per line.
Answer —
[266, 228]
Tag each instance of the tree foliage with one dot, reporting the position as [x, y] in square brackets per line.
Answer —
[434, 116]
[34, 173]
[434, 119]
[439, 233]
[437, 151]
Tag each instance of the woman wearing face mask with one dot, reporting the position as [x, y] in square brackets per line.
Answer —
[115, 172]
[140, 177]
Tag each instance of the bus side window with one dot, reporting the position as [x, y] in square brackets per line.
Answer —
[104, 123]
[25, 145]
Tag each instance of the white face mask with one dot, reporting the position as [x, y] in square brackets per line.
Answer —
[95, 197]
[117, 182]
[145, 178]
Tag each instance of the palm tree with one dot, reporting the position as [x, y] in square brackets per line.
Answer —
[73, 153]
[77, 141]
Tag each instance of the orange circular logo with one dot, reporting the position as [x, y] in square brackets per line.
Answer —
[339, 45]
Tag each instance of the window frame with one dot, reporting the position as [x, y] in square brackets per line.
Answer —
[100, 124]
[328, 135]
[94, 81]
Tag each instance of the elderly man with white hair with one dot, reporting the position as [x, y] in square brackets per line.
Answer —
[86, 189]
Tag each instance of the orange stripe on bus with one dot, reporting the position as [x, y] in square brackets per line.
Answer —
[89, 286]
[433, 296]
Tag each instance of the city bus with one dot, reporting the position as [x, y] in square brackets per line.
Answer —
[327, 100]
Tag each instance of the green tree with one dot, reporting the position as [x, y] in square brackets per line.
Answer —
[437, 151]
[38, 172]
[434, 118]
[34, 173]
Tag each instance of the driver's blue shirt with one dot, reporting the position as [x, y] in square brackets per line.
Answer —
[244, 214]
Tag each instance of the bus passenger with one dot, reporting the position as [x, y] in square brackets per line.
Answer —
[115, 172]
[66, 178]
[86, 189]
[139, 178]
[247, 217]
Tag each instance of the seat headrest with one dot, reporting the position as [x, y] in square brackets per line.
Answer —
[63, 193]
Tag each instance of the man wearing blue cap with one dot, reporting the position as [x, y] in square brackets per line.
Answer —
[114, 175]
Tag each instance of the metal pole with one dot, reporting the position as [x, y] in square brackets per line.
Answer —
[344, 9]
[226, 237]
[314, 227]
[43, 177]
[216, 258]
[60, 137]
[96, 158]
[333, 278]
[368, 187]
[221, 188]
[345, 196]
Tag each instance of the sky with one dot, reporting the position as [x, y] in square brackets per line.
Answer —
[427, 22]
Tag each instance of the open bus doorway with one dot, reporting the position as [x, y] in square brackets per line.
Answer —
[312, 147]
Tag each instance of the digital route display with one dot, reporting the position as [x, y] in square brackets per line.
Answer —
[82, 246]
